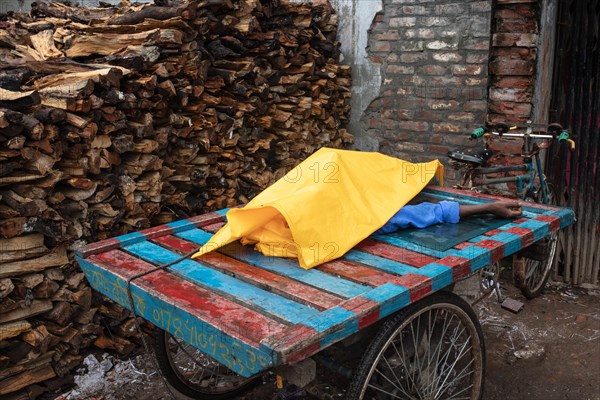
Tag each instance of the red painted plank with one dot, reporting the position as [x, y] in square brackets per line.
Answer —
[293, 341]
[259, 277]
[237, 321]
[418, 285]
[496, 248]
[213, 227]
[395, 253]
[526, 235]
[492, 232]
[303, 354]
[368, 308]
[359, 273]
[115, 243]
[552, 220]
[461, 267]
[462, 245]
[99, 247]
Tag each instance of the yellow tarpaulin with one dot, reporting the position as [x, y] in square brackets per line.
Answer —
[326, 205]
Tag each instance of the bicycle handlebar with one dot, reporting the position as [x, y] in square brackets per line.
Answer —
[477, 133]
[563, 137]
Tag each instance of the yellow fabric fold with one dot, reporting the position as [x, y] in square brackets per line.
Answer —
[326, 205]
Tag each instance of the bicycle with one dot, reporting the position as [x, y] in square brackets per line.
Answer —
[531, 269]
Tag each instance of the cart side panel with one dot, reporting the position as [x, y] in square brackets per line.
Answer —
[238, 355]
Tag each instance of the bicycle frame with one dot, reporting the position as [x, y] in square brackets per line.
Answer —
[525, 183]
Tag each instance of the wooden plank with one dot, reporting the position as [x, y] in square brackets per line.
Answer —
[399, 254]
[151, 233]
[253, 297]
[216, 309]
[267, 280]
[359, 273]
[281, 266]
[207, 321]
[320, 331]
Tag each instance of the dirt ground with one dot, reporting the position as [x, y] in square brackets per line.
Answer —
[548, 351]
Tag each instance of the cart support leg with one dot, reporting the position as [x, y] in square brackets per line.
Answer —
[299, 374]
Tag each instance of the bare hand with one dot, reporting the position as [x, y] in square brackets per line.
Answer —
[505, 209]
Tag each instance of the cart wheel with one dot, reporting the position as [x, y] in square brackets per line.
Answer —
[431, 350]
[193, 374]
[537, 272]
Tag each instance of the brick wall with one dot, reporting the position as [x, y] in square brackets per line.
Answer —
[434, 62]
[512, 71]
[513, 58]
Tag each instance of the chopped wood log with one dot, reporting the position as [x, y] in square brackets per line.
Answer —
[18, 100]
[22, 247]
[35, 308]
[26, 378]
[186, 11]
[168, 111]
[13, 329]
[57, 257]
[120, 345]
[61, 313]
[6, 286]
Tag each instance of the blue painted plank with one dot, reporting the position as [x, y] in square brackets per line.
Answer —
[540, 229]
[390, 297]
[394, 240]
[345, 322]
[271, 303]
[441, 275]
[240, 357]
[479, 256]
[512, 242]
[378, 262]
[282, 266]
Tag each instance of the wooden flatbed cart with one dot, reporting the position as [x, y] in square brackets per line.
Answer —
[234, 314]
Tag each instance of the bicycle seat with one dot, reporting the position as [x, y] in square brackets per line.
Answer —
[479, 159]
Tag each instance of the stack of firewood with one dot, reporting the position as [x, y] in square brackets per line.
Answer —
[118, 118]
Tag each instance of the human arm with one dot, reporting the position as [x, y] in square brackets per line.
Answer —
[501, 209]
[425, 214]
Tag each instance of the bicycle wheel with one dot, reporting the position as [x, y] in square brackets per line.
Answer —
[193, 374]
[537, 272]
[434, 349]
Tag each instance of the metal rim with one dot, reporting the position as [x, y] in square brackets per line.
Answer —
[198, 371]
[434, 354]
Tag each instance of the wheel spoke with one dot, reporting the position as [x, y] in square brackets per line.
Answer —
[452, 366]
[392, 383]
[433, 351]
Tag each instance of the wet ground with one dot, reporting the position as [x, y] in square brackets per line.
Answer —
[548, 351]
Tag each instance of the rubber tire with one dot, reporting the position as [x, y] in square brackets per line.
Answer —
[177, 384]
[527, 292]
[362, 372]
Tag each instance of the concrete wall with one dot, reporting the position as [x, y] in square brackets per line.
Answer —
[355, 18]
